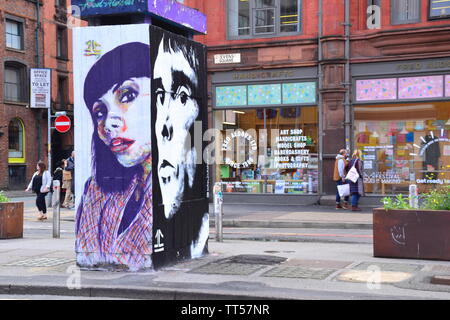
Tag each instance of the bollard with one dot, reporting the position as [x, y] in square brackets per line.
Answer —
[218, 213]
[413, 197]
[56, 209]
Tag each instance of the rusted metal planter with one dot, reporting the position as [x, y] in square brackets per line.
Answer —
[412, 234]
[11, 220]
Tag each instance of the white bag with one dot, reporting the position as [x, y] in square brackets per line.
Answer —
[352, 174]
[48, 199]
[344, 190]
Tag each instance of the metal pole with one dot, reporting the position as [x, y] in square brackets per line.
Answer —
[347, 109]
[56, 209]
[413, 196]
[49, 138]
[38, 64]
[218, 212]
[320, 74]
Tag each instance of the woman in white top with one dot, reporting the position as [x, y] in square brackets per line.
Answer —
[40, 184]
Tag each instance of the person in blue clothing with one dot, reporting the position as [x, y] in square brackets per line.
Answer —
[339, 177]
[356, 188]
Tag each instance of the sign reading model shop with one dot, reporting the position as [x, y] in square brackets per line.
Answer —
[40, 88]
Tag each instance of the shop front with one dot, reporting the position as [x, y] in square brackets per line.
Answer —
[267, 146]
[402, 124]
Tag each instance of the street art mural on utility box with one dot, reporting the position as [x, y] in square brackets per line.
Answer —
[141, 191]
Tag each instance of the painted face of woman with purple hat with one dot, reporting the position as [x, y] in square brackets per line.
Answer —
[122, 115]
[117, 94]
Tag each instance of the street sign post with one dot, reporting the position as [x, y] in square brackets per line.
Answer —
[62, 124]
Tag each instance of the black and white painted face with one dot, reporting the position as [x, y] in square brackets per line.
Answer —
[176, 112]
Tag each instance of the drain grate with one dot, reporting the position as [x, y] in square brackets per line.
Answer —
[226, 268]
[239, 265]
[298, 272]
[40, 262]
[256, 259]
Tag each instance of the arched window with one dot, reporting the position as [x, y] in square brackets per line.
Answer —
[15, 82]
[16, 141]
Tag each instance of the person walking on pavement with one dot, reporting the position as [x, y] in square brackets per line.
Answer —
[40, 184]
[68, 179]
[356, 188]
[339, 177]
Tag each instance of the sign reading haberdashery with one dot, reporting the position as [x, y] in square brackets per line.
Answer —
[40, 88]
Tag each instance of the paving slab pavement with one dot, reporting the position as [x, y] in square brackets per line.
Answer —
[40, 265]
[254, 216]
[232, 270]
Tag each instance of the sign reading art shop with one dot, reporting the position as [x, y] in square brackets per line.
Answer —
[40, 88]
[292, 150]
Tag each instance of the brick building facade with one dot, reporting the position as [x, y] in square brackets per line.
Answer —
[24, 46]
[378, 45]
[57, 24]
[23, 130]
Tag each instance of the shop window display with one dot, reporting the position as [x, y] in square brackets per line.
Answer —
[404, 144]
[268, 150]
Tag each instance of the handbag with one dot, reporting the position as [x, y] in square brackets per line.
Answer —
[352, 174]
[344, 190]
[67, 175]
[48, 199]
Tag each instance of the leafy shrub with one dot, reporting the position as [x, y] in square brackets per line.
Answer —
[399, 202]
[3, 198]
[438, 199]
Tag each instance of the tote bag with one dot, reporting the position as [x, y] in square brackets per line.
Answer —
[344, 190]
[352, 174]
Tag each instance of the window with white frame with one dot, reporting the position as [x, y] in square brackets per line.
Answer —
[405, 11]
[259, 18]
[14, 34]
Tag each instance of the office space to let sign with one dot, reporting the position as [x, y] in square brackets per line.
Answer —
[40, 88]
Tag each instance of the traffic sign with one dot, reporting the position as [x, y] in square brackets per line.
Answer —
[62, 124]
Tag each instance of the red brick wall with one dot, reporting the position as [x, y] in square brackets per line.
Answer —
[27, 11]
[426, 39]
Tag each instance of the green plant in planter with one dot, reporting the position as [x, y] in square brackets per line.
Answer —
[438, 199]
[399, 202]
[3, 198]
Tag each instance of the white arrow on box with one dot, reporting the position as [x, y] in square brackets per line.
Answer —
[159, 246]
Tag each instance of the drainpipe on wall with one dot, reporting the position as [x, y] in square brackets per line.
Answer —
[38, 64]
[347, 80]
[320, 100]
